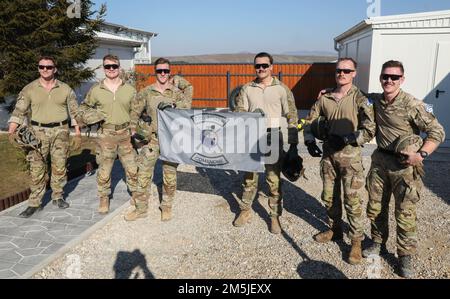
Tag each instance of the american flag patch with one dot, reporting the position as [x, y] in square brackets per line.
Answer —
[369, 102]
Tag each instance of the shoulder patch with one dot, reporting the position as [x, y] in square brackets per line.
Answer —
[369, 102]
[428, 108]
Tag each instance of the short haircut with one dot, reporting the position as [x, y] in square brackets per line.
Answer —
[162, 60]
[264, 54]
[112, 58]
[355, 64]
[47, 58]
[393, 63]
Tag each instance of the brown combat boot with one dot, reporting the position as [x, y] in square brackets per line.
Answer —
[103, 208]
[275, 225]
[355, 256]
[166, 213]
[332, 234]
[135, 214]
[243, 218]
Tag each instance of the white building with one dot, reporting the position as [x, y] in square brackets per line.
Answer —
[133, 46]
[421, 41]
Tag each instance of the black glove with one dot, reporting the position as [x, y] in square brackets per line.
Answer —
[337, 142]
[146, 118]
[259, 110]
[164, 105]
[137, 140]
[313, 149]
[292, 135]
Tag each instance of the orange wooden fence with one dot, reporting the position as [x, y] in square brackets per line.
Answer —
[212, 85]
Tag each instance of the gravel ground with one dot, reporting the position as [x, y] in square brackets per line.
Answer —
[200, 242]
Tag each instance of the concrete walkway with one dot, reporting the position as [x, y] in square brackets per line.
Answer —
[27, 245]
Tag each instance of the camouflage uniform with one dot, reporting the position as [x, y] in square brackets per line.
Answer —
[114, 136]
[352, 114]
[405, 115]
[44, 108]
[148, 99]
[276, 101]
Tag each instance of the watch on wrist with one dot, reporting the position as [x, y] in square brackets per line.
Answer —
[423, 154]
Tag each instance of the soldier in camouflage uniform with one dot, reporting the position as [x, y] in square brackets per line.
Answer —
[267, 95]
[49, 103]
[351, 124]
[398, 114]
[114, 99]
[167, 91]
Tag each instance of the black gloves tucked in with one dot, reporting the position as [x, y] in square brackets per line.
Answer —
[292, 135]
[337, 142]
[165, 105]
[313, 149]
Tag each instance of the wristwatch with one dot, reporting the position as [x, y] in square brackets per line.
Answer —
[423, 154]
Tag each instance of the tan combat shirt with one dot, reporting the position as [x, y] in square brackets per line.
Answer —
[405, 115]
[45, 106]
[116, 106]
[150, 97]
[353, 113]
[275, 100]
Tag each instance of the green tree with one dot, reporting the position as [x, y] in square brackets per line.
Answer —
[31, 28]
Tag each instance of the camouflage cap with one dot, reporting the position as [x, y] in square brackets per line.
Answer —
[91, 116]
[408, 143]
[25, 138]
[319, 128]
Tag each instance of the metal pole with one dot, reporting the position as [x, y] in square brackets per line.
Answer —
[228, 87]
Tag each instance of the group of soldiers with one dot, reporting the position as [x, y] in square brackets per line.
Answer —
[343, 117]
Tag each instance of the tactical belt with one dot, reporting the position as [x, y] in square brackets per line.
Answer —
[50, 125]
[116, 127]
[388, 152]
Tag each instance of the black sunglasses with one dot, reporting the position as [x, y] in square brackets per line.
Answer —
[111, 66]
[48, 67]
[160, 71]
[262, 65]
[386, 77]
[345, 71]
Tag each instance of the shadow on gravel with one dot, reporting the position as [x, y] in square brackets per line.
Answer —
[435, 174]
[311, 269]
[131, 265]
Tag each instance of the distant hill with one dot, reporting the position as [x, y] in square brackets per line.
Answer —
[248, 58]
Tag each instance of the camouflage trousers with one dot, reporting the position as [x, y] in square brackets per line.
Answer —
[147, 158]
[273, 179]
[54, 142]
[110, 144]
[343, 166]
[386, 177]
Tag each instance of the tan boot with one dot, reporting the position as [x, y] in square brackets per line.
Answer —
[166, 213]
[275, 226]
[103, 207]
[135, 214]
[355, 253]
[243, 218]
[331, 234]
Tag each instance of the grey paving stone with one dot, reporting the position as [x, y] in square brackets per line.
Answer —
[4, 238]
[21, 269]
[58, 233]
[33, 260]
[29, 252]
[15, 232]
[66, 219]
[6, 265]
[30, 222]
[7, 223]
[32, 228]
[52, 248]
[42, 236]
[78, 230]
[23, 243]
[7, 274]
[64, 239]
[10, 256]
[44, 244]
[51, 226]
[7, 245]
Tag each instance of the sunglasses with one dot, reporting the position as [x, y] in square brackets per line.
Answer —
[111, 66]
[48, 67]
[160, 71]
[345, 71]
[262, 65]
[386, 77]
